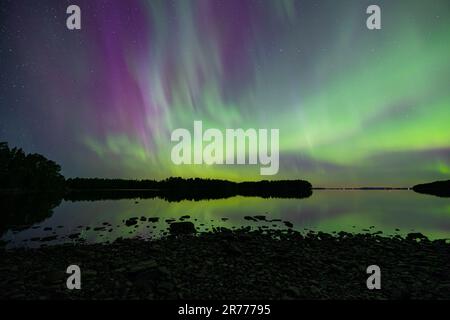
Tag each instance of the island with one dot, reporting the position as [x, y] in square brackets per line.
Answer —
[437, 188]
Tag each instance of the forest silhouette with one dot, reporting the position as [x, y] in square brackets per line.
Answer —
[31, 172]
[31, 183]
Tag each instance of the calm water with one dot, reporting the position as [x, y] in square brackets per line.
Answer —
[325, 210]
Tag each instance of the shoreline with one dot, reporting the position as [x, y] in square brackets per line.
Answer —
[241, 264]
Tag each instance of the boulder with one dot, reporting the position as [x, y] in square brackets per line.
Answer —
[184, 227]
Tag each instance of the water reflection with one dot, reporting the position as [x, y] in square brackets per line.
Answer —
[19, 211]
[392, 212]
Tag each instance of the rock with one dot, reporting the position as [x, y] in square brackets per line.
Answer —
[51, 238]
[293, 291]
[143, 265]
[164, 271]
[232, 248]
[166, 286]
[53, 277]
[185, 227]
[90, 273]
[130, 222]
[416, 236]
[288, 224]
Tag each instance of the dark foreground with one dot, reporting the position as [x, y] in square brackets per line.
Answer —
[239, 264]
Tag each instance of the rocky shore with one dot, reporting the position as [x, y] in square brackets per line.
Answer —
[240, 264]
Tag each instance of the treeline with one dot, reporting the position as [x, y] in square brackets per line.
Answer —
[177, 189]
[182, 183]
[437, 188]
[34, 173]
[109, 184]
[31, 172]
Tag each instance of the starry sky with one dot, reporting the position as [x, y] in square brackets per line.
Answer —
[354, 106]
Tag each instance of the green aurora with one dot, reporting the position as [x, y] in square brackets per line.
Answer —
[353, 106]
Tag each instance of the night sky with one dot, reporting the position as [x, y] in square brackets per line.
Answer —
[353, 106]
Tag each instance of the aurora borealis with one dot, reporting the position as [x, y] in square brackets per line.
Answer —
[353, 106]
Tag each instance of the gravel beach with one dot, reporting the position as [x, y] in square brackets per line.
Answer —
[241, 264]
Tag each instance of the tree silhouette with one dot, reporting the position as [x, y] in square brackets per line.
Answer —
[28, 171]
[177, 189]
[34, 172]
[436, 188]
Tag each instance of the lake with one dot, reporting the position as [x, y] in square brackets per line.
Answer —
[392, 212]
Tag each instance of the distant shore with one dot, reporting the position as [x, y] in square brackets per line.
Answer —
[437, 188]
[361, 188]
[242, 264]
[171, 189]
